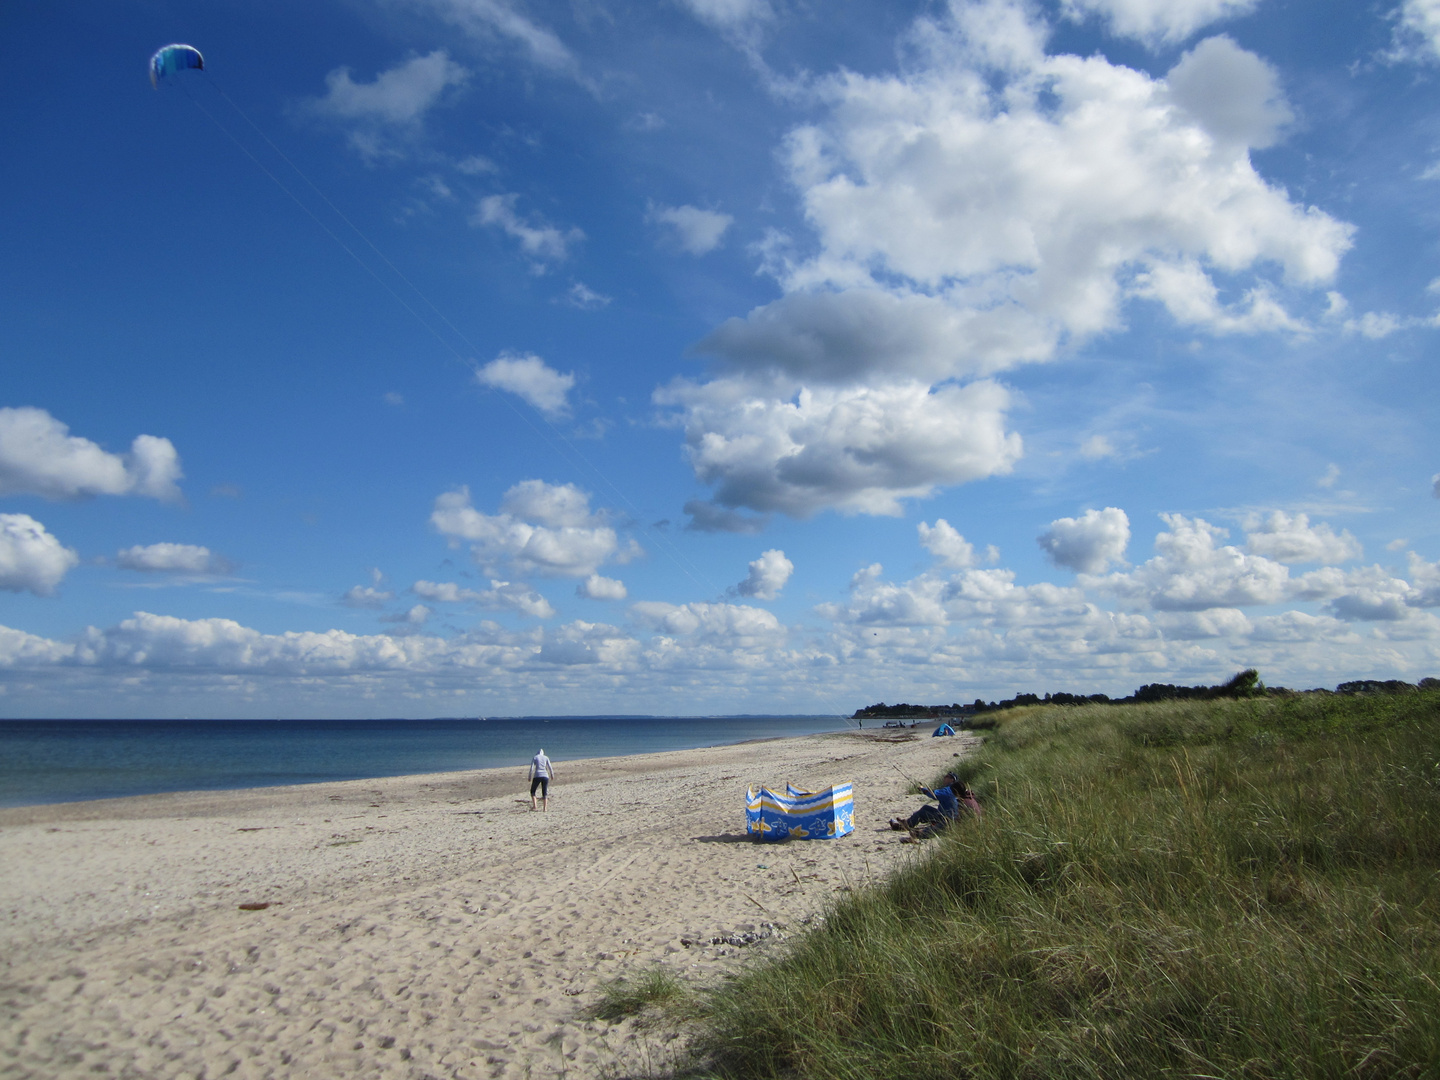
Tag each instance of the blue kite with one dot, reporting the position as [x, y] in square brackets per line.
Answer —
[172, 59]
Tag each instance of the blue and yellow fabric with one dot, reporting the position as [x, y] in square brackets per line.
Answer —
[803, 815]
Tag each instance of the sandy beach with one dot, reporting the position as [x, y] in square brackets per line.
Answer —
[420, 926]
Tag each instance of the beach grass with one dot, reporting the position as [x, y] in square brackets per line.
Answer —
[1244, 888]
[655, 988]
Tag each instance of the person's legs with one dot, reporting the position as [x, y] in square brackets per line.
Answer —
[534, 784]
[926, 815]
[544, 794]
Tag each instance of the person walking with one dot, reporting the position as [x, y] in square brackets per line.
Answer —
[541, 773]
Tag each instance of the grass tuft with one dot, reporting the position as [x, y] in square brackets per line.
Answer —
[1241, 888]
[629, 997]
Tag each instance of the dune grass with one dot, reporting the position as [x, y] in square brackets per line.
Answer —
[657, 988]
[1204, 889]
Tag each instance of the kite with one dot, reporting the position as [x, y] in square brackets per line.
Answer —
[172, 59]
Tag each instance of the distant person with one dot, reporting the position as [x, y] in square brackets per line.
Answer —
[541, 773]
[953, 797]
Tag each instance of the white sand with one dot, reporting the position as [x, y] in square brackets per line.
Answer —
[419, 926]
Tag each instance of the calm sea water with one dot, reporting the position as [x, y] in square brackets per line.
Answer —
[46, 761]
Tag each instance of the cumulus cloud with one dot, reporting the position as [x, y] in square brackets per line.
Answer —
[542, 242]
[31, 560]
[542, 528]
[418, 615]
[1191, 573]
[1417, 35]
[695, 230]
[366, 596]
[733, 624]
[1234, 94]
[859, 449]
[598, 587]
[172, 559]
[947, 545]
[1158, 22]
[528, 377]
[875, 602]
[768, 575]
[947, 248]
[501, 596]
[1292, 539]
[1089, 543]
[39, 456]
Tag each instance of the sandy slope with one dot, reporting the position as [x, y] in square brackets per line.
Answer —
[422, 926]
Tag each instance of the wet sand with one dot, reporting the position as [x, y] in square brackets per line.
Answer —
[420, 925]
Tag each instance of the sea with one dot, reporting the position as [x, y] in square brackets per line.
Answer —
[50, 761]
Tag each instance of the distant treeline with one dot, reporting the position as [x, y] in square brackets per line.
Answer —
[1244, 684]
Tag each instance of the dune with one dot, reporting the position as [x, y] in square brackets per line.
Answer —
[415, 926]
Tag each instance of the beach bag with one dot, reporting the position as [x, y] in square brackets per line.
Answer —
[801, 815]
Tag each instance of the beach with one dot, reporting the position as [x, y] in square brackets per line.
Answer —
[417, 926]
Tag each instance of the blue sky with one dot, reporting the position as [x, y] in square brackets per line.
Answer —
[456, 357]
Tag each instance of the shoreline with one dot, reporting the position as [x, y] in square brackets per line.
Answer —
[419, 924]
[242, 787]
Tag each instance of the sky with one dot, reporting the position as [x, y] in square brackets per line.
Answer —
[491, 357]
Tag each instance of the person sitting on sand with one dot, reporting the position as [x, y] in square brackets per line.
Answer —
[541, 773]
[952, 797]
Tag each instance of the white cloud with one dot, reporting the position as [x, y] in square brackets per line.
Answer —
[39, 456]
[597, 587]
[172, 558]
[768, 575]
[947, 247]
[1418, 32]
[1098, 447]
[501, 596]
[874, 602]
[581, 296]
[1435, 485]
[540, 240]
[400, 96]
[729, 14]
[1373, 595]
[31, 560]
[860, 450]
[695, 230]
[1089, 543]
[476, 165]
[568, 540]
[732, 624]
[490, 19]
[1158, 22]
[1290, 539]
[1234, 94]
[527, 376]
[1381, 324]
[418, 615]
[1190, 573]
[944, 542]
[366, 596]
[707, 517]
